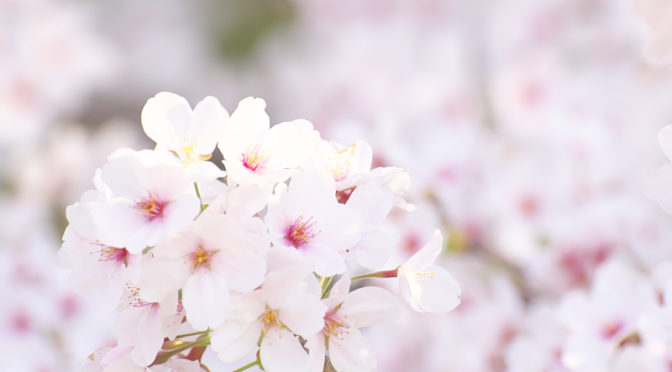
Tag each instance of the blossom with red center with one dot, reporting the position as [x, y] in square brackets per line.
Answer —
[323, 238]
[348, 311]
[256, 153]
[301, 231]
[146, 201]
[214, 255]
[150, 207]
[254, 158]
[118, 255]
[275, 317]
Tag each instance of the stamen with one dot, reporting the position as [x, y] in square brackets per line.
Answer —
[254, 158]
[107, 253]
[340, 163]
[270, 319]
[300, 231]
[201, 258]
[150, 207]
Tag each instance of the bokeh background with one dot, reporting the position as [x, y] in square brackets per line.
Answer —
[528, 127]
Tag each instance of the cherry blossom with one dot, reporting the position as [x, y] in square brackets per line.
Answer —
[425, 286]
[255, 153]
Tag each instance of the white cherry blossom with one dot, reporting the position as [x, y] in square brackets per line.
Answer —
[255, 153]
[348, 349]
[213, 256]
[307, 220]
[426, 286]
[189, 134]
[283, 309]
[146, 202]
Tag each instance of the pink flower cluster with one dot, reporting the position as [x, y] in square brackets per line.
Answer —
[254, 262]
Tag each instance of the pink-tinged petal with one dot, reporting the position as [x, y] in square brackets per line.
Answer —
[282, 287]
[233, 340]
[155, 285]
[350, 352]
[342, 228]
[430, 291]
[203, 171]
[81, 221]
[247, 308]
[118, 225]
[311, 192]
[123, 176]
[426, 256]
[665, 141]
[304, 314]
[246, 200]
[209, 118]
[246, 126]
[369, 305]
[372, 202]
[281, 351]
[162, 114]
[291, 144]
[317, 352]
[375, 248]
[141, 327]
[205, 298]
[327, 261]
[338, 292]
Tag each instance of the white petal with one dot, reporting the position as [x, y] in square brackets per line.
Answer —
[290, 144]
[350, 352]
[665, 141]
[155, 285]
[205, 297]
[232, 340]
[247, 126]
[162, 113]
[338, 292]
[304, 315]
[375, 248]
[317, 352]
[208, 123]
[283, 286]
[141, 327]
[366, 306]
[426, 256]
[433, 290]
[281, 351]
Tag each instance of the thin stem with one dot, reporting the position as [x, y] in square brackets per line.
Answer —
[249, 365]
[378, 274]
[163, 356]
[198, 193]
[193, 334]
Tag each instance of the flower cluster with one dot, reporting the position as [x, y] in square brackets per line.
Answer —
[255, 261]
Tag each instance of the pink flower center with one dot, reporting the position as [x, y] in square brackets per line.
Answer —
[611, 329]
[300, 232]
[150, 207]
[254, 159]
[135, 300]
[333, 324]
[201, 258]
[113, 254]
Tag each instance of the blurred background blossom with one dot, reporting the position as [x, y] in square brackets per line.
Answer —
[529, 130]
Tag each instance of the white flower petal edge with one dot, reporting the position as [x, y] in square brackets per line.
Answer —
[426, 287]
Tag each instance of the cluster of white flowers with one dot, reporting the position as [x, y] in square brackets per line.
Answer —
[255, 261]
